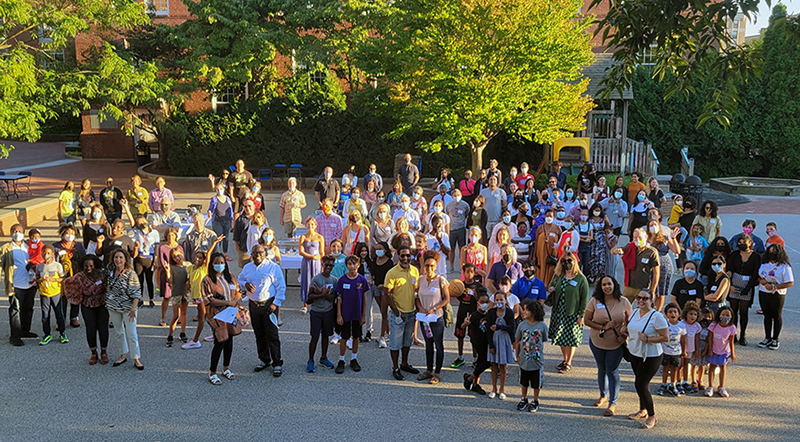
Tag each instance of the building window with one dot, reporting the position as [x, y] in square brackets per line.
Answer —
[228, 95]
[108, 122]
[318, 77]
[51, 58]
[648, 56]
[158, 7]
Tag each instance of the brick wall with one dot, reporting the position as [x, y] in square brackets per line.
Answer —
[107, 145]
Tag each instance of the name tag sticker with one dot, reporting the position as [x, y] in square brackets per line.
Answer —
[713, 288]
[232, 287]
[535, 291]
[346, 286]
[552, 234]
[117, 243]
[62, 252]
[645, 260]
[692, 292]
[98, 282]
[601, 305]
[745, 278]
[435, 289]
[713, 221]
[413, 281]
[205, 243]
[573, 283]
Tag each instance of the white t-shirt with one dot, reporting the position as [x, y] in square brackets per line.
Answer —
[511, 298]
[433, 244]
[21, 257]
[636, 324]
[673, 346]
[691, 331]
[775, 273]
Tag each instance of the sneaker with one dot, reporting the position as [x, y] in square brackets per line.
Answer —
[709, 392]
[190, 345]
[326, 362]
[30, 335]
[764, 343]
[335, 338]
[723, 392]
[349, 344]
[340, 367]
[209, 338]
[16, 342]
[367, 337]
[458, 363]
[532, 407]
[759, 312]
[63, 338]
[310, 366]
[382, 342]
[46, 340]
[169, 341]
[467, 382]
[522, 404]
[354, 365]
[409, 369]
[75, 323]
[661, 390]
[743, 341]
[397, 374]
[152, 304]
[695, 388]
[304, 310]
[183, 338]
[419, 342]
[774, 344]
[277, 371]
[477, 389]
[679, 391]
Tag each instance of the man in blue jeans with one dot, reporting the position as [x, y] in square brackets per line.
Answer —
[19, 286]
[401, 285]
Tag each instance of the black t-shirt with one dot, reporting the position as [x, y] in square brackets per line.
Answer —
[327, 189]
[477, 328]
[655, 197]
[468, 301]
[110, 198]
[240, 183]
[683, 291]
[686, 220]
[109, 245]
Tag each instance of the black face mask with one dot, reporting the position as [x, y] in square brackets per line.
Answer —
[741, 246]
[567, 265]
[529, 273]
[507, 257]
[545, 197]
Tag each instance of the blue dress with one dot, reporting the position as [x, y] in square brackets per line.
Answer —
[309, 268]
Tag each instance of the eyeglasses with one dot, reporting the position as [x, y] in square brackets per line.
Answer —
[260, 253]
[405, 255]
[642, 298]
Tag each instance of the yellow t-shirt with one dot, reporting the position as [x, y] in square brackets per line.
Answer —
[67, 202]
[403, 284]
[675, 215]
[196, 276]
[137, 200]
[54, 270]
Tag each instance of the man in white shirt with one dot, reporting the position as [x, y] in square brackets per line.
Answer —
[162, 221]
[262, 281]
[19, 287]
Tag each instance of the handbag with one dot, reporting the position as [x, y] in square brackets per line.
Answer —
[447, 310]
[626, 354]
[243, 316]
[551, 260]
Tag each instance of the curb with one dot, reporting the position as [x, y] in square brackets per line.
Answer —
[153, 176]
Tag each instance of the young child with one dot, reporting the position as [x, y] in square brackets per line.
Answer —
[500, 323]
[466, 306]
[677, 209]
[339, 269]
[35, 247]
[512, 300]
[689, 318]
[699, 360]
[673, 352]
[196, 273]
[344, 198]
[49, 275]
[720, 348]
[476, 321]
[322, 310]
[178, 280]
[696, 244]
[772, 235]
[351, 310]
[529, 341]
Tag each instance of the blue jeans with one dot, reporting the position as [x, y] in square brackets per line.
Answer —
[222, 226]
[436, 341]
[607, 371]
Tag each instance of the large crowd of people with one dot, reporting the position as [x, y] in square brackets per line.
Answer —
[374, 266]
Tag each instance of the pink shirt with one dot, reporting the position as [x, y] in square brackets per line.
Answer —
[722, 338]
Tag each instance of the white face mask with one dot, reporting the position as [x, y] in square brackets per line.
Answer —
[437, 209]
[382, 215]
[97, 215]
[549, 220]
[457, 199]
[474, 239]
[17, 236]
[69, 238]
[655, 229]
[524, 171]
[597, 213]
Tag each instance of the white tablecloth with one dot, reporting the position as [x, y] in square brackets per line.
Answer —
[291, 261]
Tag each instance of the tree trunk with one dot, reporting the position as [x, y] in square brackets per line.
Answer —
[477, 156]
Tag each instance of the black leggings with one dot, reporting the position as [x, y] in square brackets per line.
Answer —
[644, 370]
[741, 317]
[481, 363]
[144, 270]
[96, 321]
[772, 306]
[221, 347]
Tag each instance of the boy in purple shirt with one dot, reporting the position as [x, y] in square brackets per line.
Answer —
[352, 288]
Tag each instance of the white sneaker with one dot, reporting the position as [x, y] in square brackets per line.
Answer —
[303, 310]
[191, 344]
[349, 344]
[209, 338]
[382, 342]
[335, 338]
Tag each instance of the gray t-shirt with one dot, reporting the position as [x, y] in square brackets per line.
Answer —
[321, 304]
[408, 174]
[458, 212]
[531, 339]
[494, 203]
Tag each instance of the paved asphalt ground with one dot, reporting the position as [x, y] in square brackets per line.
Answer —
[51, 393]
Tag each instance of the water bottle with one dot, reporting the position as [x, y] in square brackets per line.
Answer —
[426, 327]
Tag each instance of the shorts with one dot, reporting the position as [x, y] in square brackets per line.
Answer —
[458, 237]
[351, 329]
[322, 322]
[718, 360]
[244, 258]
[178, 300]
[671, 361]
[401, 335]
[460, 316]
[531, 378]
[289, 228]
[630, 293]
[699, 361]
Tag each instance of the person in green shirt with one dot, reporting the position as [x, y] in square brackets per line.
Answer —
[66, 204]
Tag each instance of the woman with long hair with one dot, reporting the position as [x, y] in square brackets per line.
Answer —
[122, 287]
[570, 295]
[220, 290]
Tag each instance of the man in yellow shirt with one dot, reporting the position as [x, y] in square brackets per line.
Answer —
[292, 203]
[401, 285]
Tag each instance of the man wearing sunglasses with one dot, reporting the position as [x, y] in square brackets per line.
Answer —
[401, 284]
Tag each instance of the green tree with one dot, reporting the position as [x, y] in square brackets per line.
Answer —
[468, 69]
[37, 84]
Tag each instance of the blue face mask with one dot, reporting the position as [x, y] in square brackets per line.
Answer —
[617, 195]
[716, 268]
[640, 197]
[379, 253]
[219, 268]
[506, 219]
[689, 273]
[567, 225]
[561, 214]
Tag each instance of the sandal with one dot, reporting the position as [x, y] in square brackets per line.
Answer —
[228, 374]
[646, 426]
[610, 411]
[425, 375]
[103, 358]
[93, 358]
[601, 401]
[214, 379]
[560, 366]
[565, 368]
[162, 324]
[435, 379]
[642, 414]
